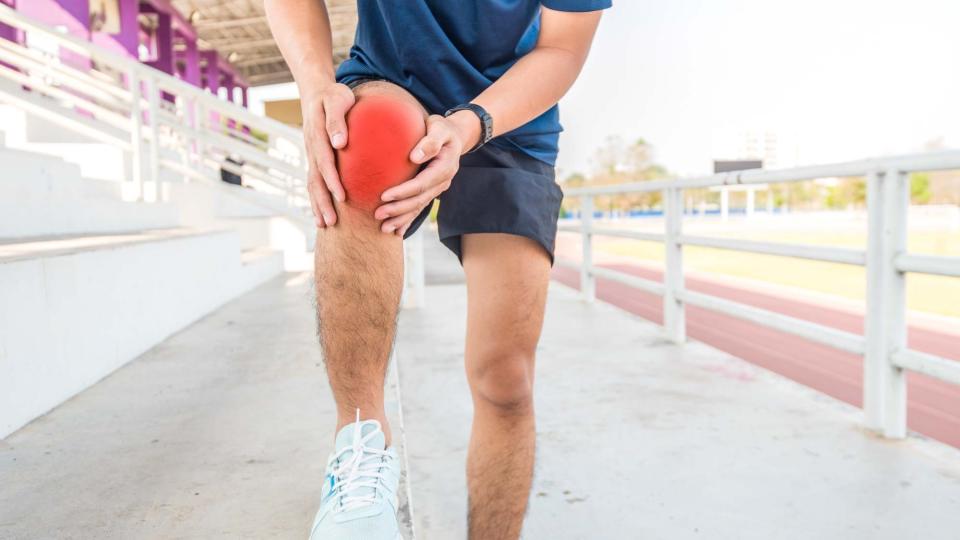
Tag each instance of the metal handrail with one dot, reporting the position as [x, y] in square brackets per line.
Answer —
[151, 115]
[884, 345]
[944, 160]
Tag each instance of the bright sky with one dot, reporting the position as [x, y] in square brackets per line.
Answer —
[836, 79]
[844, 79]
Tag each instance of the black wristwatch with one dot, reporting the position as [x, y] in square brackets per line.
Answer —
[486, 122]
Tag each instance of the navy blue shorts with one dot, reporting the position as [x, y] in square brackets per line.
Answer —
[496, 190]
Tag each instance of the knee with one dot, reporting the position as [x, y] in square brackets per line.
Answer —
[503, 381]
[382, 129]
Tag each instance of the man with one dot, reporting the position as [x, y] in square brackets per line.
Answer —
[489, 73]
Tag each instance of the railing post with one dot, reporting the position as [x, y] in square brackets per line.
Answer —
[203, 118]
[190, 145]
[884, 384]
[414, 295]
[153, 100]
[588, 283]
[674, 314]
[136, 133]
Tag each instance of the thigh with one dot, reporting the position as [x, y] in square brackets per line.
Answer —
[507, 278]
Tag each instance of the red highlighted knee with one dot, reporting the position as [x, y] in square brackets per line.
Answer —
[381, 133]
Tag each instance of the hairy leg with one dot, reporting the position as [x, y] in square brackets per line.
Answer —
[359, 279]
[507, 279]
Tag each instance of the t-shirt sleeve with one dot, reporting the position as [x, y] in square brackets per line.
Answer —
[576, 5]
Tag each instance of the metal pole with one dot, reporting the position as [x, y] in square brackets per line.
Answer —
[136, 133]
[153, 99]
[674, 316]
[896, 205]
[202, 118]
[588, 284]
[415, 268]
[884, 385]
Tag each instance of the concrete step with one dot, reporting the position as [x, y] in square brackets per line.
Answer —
[237, 403]
[27, 173]
[74, 309]
[41, 195]
[275, 232]
[30, 217]
[24, 173]
[260, 264]
[227, 201]
[105, 163]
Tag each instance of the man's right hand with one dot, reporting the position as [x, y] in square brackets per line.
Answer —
[325, 129]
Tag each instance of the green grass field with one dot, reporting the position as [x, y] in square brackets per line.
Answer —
[933, 294]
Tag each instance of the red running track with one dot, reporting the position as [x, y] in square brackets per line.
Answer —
[933, 405]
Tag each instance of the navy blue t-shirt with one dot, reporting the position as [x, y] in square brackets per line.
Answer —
[446, 52]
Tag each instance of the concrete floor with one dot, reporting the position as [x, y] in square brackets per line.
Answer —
[223, 431]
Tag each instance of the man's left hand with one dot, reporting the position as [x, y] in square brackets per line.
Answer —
[446, 140]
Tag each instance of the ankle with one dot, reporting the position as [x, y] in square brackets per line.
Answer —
[345, 418]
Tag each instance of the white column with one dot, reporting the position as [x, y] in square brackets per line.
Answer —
[674, 319]
[751, 200]
[884, 388]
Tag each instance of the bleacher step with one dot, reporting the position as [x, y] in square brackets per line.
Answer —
[73, 309]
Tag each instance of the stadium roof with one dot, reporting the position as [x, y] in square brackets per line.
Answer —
[238, 30]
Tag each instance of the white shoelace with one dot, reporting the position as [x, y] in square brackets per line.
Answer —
[363, 469]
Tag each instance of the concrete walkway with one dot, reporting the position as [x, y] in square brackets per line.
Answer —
[223, 431]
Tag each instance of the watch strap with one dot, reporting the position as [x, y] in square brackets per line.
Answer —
[486, 122]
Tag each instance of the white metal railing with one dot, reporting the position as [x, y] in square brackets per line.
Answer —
[884, 345]
[171, 130]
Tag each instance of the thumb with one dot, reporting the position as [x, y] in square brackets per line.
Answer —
[335, 109]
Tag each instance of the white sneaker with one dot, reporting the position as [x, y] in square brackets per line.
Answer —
[359, 495]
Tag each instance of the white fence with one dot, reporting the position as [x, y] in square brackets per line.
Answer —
[168, 125]
[884, 346]
[169, 128]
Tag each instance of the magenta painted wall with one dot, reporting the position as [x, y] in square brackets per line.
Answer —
[74, 16]
[51, 12]
[127, 40]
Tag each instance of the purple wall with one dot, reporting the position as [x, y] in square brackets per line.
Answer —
[127, 40]
[8, 32]
[74, 15]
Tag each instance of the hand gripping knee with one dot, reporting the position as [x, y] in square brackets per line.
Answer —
[382, 131]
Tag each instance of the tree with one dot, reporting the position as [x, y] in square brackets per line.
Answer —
[920, 188]
[619, 162]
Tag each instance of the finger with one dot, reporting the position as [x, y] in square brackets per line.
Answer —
[401, 207]
[327, 164]
[437, 171]
[324, 205]
[438, 134]
[313, 179]
[400, 223]
[335, 107]
[397, 218]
